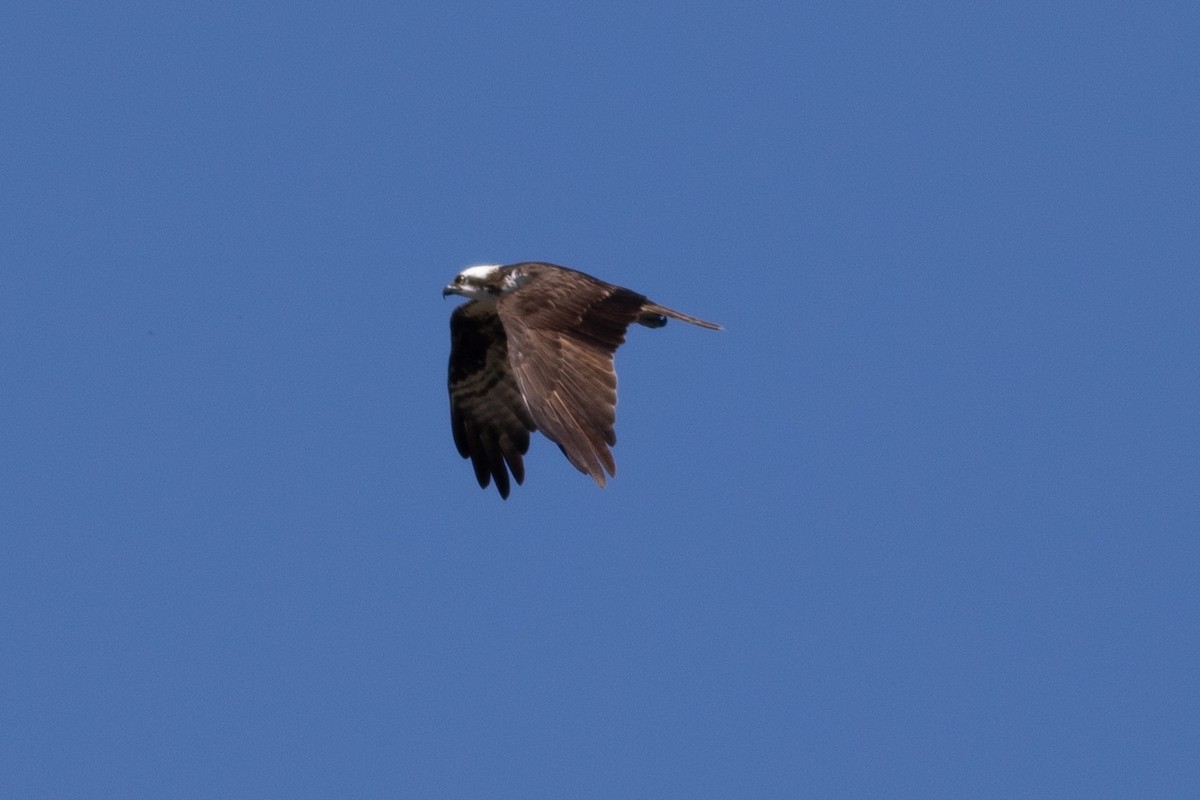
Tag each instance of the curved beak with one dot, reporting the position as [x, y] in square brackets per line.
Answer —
[447, 291]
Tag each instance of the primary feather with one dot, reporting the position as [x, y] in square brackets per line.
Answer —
[533, 350]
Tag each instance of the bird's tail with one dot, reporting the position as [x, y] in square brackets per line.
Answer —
[653, 316]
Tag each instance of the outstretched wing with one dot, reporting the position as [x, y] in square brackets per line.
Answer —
[488, 416]
[562, 337]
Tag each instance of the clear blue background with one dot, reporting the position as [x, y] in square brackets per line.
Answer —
[922, 521]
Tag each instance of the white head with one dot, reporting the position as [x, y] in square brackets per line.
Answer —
[480, 273]
[485, 282]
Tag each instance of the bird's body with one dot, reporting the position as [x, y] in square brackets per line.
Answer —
[533, 350]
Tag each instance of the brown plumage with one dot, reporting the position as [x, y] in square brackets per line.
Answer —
[533, 350]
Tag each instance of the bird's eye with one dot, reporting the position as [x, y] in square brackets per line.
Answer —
[458, 278]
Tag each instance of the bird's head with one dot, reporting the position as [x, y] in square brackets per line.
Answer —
[485, 282]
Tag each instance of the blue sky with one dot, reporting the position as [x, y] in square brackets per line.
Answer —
[921, 522]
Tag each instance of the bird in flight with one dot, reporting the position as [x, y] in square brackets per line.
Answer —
[533, 350]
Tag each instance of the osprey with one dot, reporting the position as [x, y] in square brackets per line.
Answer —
[533, 350]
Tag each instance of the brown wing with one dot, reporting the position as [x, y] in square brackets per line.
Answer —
[488, 416]
[563, 337]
